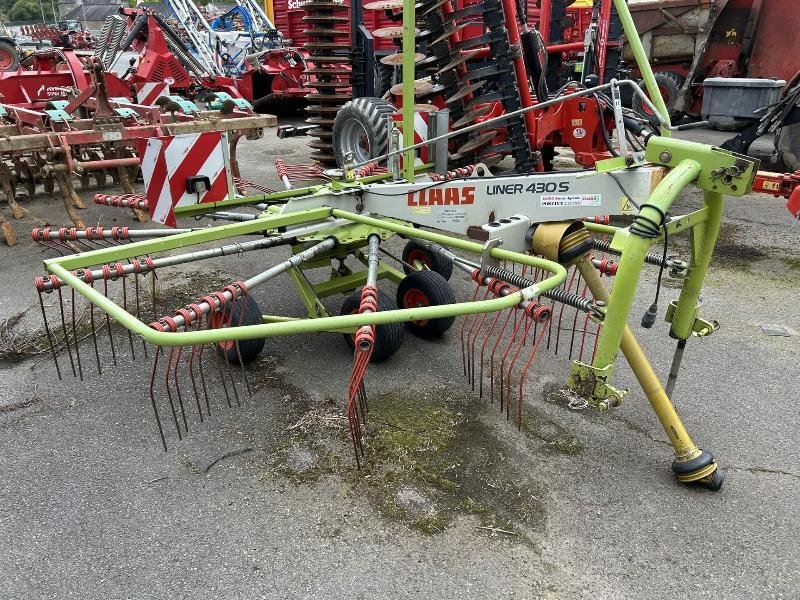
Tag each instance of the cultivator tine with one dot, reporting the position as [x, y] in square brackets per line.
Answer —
[7, 187]
[39, 289]
[136, 294]
[221, 374]
[543, 317]
[125, 306]
[464, 339]
[486, 339]
[194, 383]
[567, 288]
[94, 333]
[243, 298]
[64, 330]
[177, 353]
[362, 353]
[153, 397]
[169, 393]
[69, 196]
[108, 324]
[75, 335]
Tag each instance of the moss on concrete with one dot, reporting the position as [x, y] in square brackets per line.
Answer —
[427, 461]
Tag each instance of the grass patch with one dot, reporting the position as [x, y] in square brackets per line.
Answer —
[428, 460]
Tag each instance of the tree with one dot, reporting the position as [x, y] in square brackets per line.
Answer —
[28, 10]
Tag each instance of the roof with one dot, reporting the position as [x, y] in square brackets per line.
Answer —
[91, 12]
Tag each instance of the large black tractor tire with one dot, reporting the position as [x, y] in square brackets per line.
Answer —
[669, 84]
[360, 127]
[385, 77]
[787, 143]
[388, 337]
[245, 311]
[414, 252]
[426, 288]
[9, 56]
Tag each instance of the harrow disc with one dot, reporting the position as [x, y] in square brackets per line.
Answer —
[328, 48]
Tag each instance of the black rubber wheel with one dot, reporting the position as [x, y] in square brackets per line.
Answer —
[669, 84]
[9, 56]
[360, 127]
[787, 143]
[426, 288]
[414, 251]
[388, 337]
[385, 77]
[244, 311]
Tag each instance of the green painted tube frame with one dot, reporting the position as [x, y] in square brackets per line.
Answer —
[639, 55]
[632, 259]
[60, 267]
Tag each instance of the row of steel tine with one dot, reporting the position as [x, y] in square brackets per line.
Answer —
[181, 365]
[502, 346]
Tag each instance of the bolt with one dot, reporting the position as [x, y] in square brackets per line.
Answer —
[665, 156]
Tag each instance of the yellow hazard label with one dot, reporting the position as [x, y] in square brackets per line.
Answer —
[577, 122]
[625, 206]
[771, 185]
[421, 210]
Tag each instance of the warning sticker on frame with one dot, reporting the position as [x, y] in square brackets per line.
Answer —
[558, 200]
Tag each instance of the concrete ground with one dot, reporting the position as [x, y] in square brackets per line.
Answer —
[263, 501]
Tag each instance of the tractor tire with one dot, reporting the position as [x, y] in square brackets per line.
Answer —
[426, 288]
[9, 56]
[787, 143]
[245, 311]
[385, 78]
[388, 337]
[414, 251]
[669, 84]
[360, 127]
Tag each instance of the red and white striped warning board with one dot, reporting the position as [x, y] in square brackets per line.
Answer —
[168, 161]
[148, 93]
[421, 120]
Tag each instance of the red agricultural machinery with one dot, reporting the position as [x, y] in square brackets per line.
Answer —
[194, 60]
[65, 34]
[482, 61]
[58, 120]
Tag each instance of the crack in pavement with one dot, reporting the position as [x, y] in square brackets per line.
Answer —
[764, 470]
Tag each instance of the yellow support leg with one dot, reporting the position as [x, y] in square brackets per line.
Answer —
[691, 463]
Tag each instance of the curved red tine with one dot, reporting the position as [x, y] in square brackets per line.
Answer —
[153, 397]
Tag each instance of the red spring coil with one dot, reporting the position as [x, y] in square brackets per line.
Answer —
[600, 219]
[187, 316]
[368, 169]
[608, 267]
[369, 299]
[164, 324]
[457, 173]
[280, 167]
[538, 312]
[41, 281]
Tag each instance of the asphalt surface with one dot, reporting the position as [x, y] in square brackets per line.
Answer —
[91, 507]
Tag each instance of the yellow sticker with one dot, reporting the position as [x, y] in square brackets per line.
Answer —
[771, 185]
[577, 122]
[421, 210]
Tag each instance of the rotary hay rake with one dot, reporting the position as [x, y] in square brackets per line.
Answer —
[515, 314]
[543, 243]
[95, 136]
